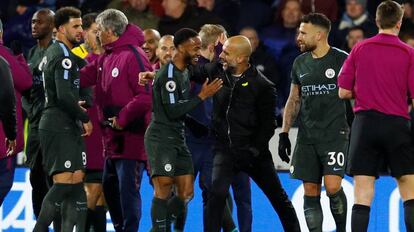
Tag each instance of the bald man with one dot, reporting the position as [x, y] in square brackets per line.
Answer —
[33, 103]
[151, 38]
[165, 50]
[243, 122]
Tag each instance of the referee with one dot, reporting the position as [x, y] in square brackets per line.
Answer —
[379, 74]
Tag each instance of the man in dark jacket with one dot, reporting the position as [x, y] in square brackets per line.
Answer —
[243, 122]
[8, 125]
[127, 105]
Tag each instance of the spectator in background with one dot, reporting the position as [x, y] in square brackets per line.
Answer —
[259, 14]
[407, 26]
[328, 8]
[355, 34]
[17, 33]
[260, 57]
[22, 81]
[408, 38]
[90, 50]
[355, 15]
[8, 129]
[180, 14]
[151, 38]
[137, 12]
[280, 38]
[227, 10]
[90, 6]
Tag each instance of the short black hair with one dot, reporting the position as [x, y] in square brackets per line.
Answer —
[317, 19]
[64, 14]
[183, 35]
[88, 20]
[357, 28]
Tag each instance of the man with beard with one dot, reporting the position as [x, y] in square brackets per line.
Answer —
[33, 103]
[169, 157]
[322, 142]
[151, 38]
[61, 124]
[91, 50]
[165, 50]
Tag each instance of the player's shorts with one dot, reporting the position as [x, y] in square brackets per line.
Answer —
[312, 161]
[33, 148]
[93, 176]
[378, 139]
[62, 151]
[168, 159]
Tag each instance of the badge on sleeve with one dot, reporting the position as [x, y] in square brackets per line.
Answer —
[170, 86]
[66, 63]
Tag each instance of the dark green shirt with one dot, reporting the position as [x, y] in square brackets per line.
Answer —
[322, 115]
[171, 98]
[60, 69]
[34, 101]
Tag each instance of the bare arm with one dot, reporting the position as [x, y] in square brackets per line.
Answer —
[291, 108]
[345, 94]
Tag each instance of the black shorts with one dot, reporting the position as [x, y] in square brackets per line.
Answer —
[168, 159]
[379, 140]
[62, 151]
[310, 162]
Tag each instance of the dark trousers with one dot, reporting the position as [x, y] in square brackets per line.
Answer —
[243, 197]
[7, 167]
[121, 185]
[202, 154]
[228, 163]
[40, 184]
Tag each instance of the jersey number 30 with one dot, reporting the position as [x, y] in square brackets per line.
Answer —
[336, 157]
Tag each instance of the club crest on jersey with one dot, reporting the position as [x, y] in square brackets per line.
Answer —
[66, 63]
[170, 86]
[115, 72]
[330, 73]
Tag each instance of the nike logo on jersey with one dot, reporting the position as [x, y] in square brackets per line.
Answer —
[337, 169]
[302, 75]
[159, 221]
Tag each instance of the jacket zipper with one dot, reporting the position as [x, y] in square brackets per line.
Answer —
[229, 104]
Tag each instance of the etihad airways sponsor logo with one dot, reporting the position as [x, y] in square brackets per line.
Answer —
[322, 89]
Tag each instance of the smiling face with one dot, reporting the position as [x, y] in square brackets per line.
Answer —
[227, 57]
[191, 50]
[151, 38]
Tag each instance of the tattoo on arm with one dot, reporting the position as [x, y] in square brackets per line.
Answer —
[292, 107]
